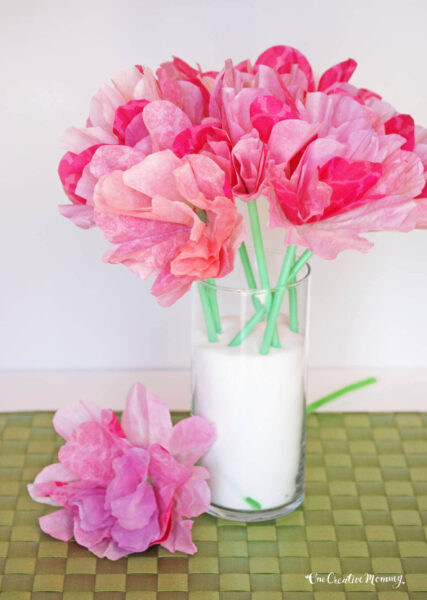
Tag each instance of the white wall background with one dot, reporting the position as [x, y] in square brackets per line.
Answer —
[60, 306]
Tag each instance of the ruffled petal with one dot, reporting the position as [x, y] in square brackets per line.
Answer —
[90, 452]
[336, 74]
[146, 419]
[191, 438]
[154, 175]
[81, 215]
[58, 524]
[164, 120]
[193, 498]
[66, 419]
[179, 538]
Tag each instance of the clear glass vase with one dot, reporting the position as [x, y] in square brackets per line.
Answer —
[256, 399]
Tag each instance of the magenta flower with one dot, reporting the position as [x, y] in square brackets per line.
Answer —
[124, 487]
[414, 136]
[338, 173]
[248, 100]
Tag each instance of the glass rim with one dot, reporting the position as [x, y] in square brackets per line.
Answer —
[263, 291]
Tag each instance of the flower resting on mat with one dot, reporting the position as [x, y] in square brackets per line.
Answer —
[124, 487]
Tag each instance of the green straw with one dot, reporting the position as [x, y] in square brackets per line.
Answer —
[293, 292]
[207, 312]
[278, 299]
[249, 274]
[259, 247]
[303, 259]
[293, 307]
[260, 257]
[249, 325]
[213, 300]
[344, 390]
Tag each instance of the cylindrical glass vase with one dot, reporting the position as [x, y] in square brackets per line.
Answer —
[256, 400]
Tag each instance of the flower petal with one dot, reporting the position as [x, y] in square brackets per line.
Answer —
[338, 73]
[66, 419]
[179, 538]
[154, 175]
[90, 452]
[193, 498]
[81, 215]
[56, 474]
[146, 419]
[191, 438]
[164, 120]
[58, 524]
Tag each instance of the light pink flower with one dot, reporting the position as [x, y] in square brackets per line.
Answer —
[171, 218]
[123, 488]
[141, 113]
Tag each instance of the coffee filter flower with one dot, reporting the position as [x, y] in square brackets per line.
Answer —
[138, 112]
[170, 217]
[126, 486]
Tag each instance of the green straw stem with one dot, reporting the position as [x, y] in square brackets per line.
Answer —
[213, 300]
[313, 406]
[260, 257]
[293, 292]
[259, 247]
[303, 259]
[293, 307]
[249, 274]
[279, 294]
[249, 325]
[250, 278]
[207, 312]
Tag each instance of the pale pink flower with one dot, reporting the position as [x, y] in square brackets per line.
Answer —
[141, 112]
[171, 218]
[124, 487]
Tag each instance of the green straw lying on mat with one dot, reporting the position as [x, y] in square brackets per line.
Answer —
[313, 406]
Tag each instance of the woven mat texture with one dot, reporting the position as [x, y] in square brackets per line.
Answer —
[365, 512]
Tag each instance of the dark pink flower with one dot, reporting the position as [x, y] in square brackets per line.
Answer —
[338, 173]
[123, 488]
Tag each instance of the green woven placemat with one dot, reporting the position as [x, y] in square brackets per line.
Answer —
[365, 512]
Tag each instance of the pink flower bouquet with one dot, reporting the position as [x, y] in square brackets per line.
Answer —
[124, 487]
[165, 160]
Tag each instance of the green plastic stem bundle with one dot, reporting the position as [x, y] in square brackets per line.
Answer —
[259, 307]
[207, 312]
